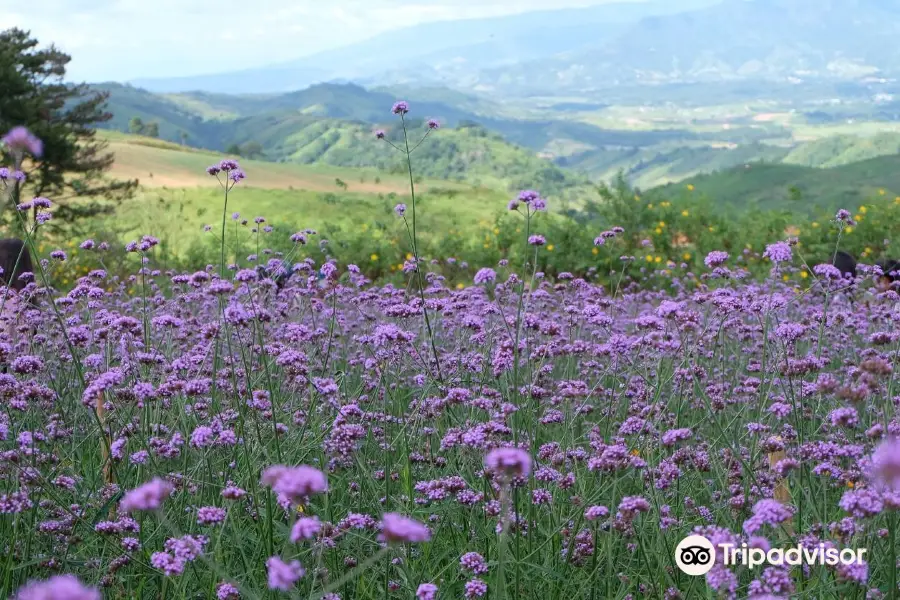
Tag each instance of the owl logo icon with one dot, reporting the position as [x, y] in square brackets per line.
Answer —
[695, 555]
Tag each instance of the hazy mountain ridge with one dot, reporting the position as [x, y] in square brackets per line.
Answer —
[776, 40]
[201, 116]
[326, 123]
[333, 125]
[604, 47]
[438, 52]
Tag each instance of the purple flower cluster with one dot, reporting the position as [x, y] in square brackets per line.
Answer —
[295, 484]
[149, 496]
[779, 252]
[506, 462]
[19, 140]
[284, 575]
[397, 528]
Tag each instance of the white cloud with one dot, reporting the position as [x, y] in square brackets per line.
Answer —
[129, 39]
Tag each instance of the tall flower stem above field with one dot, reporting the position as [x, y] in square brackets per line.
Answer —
[528, 203]
[232, 174]
[400, 109]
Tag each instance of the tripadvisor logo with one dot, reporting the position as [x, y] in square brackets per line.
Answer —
[696, 555]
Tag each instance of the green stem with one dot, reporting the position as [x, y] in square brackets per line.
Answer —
[224, 217]
[412, 192]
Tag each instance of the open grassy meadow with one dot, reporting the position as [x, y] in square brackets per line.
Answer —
[177, 198]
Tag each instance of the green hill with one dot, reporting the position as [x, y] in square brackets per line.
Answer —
[126, 102]
[332, 125]
[646, 168]
[468, 153]
[177, 198]
[212, 117]
[157, 163]
[844, 149]
[798, 188]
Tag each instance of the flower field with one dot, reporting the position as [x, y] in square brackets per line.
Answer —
[269, 428]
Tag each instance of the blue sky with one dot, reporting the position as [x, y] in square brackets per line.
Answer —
[129, 39]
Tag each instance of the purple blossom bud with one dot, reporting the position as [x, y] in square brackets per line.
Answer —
[19, 140]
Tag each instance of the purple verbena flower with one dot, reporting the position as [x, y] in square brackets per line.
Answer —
[397, 528]
[148, 496]
[20, 140]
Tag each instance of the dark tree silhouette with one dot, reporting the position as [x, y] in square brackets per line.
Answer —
[72, 168]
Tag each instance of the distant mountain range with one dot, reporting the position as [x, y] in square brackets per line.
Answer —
[584, 51]
[793, 41]
[442, 52]
[332, 124]
[215, 121]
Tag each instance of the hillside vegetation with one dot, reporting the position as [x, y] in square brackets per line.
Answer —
[503, 147]
[156, 163]
[335, 194]
[177, 198]
[797, 188]
[841, 150]
[333, 125]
